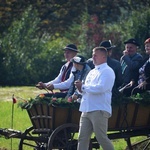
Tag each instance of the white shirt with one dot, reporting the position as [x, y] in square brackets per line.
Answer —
[97, 90]
[58, 84]
[66, 84]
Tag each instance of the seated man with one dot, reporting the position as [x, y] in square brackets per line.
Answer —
[65, 72]
[143, 83]
[82, 69]
[130, 63]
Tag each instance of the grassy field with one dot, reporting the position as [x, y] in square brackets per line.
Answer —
[21, 120]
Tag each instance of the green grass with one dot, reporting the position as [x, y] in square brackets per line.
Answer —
[21, 120]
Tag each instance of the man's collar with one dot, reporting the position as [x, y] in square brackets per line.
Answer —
[99, 66]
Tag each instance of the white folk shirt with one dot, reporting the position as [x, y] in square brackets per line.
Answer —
[57, 81]
[97, 90]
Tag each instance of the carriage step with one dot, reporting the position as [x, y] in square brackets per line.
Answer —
[10, 133]
[41, 131]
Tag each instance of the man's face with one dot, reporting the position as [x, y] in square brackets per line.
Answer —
[98, 57]
[69, 54]
[147, 48]
[131, 48]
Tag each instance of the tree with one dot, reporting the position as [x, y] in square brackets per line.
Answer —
[28, 57]
[130, 27]
[57, 15]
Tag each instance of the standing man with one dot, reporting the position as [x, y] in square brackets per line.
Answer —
[96, 102]
[114, 64]
[70, 51]
[130, 63]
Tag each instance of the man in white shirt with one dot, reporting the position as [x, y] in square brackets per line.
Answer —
[96, 102]
[65, 73]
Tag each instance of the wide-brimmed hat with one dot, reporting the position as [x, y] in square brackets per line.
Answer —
[71, 47]
[132, 41]
[107, 44]
[78, 60]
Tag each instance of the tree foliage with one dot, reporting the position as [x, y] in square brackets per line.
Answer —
[32, 33]
[28, 57]
[57, 15]
[131, 27]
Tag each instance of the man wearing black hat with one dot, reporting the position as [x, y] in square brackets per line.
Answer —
[114, 64]
[130, 63]
[65, 72]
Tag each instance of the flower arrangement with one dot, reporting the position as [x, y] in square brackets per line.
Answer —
[42, 99]
[143, 98]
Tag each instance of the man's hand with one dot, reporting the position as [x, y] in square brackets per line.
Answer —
[50, 87]
[131, 83]
[125, 52]
[142, 85]
[41, 85]
[78, 85]
[74, 97]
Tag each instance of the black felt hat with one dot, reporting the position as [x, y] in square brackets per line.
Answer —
[132, 41]
[71, 47]
[107, 44]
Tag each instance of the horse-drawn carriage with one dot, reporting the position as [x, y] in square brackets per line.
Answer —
[55, 126]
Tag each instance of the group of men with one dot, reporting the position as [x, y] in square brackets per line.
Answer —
[95, 82]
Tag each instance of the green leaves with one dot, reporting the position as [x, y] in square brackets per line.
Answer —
[42, 99]
[142, 98]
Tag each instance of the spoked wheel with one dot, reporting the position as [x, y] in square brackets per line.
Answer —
[141, 145]
[33, 141]
[64, 137]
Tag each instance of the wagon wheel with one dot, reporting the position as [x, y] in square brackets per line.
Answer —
[64, 137]
[35, 141]
[141, 145]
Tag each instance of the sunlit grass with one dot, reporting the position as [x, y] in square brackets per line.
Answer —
[24, 92]
[21, 120]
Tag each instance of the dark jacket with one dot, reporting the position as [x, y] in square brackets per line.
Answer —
[78, 75]
[130, 67]
[147, 69]
[147, 75]
[147, 72]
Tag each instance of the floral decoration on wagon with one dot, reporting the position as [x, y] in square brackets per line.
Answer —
[142, 98]
[42, 99]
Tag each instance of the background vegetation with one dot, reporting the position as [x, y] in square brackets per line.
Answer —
[32, 34]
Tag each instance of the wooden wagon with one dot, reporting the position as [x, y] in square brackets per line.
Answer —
[56, 127]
